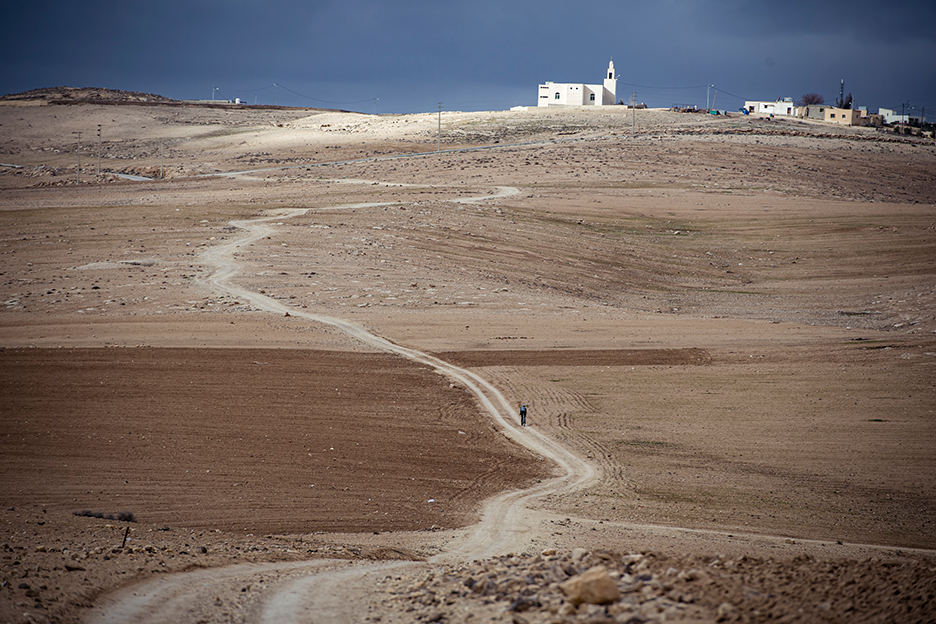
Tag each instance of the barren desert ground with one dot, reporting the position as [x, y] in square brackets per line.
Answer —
[294, 349]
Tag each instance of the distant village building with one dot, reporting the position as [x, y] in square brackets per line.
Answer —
[782, 106]
[832, 114]
[579, 94]
[859, 116]
[891, 116]
[844, 116]
[870, 119]
[812, 111]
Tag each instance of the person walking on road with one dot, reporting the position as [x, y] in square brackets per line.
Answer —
[523, 410]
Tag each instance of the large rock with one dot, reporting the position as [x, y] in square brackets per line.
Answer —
[594, 586]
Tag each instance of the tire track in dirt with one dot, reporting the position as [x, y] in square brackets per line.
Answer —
[564, 407]
[561, 408]
[504, 523]
[175, 597]
[477, 483]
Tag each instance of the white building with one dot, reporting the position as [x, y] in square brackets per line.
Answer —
[575, 94]
[891, 116]
[783, 106]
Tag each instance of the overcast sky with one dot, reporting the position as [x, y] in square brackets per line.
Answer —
[475, 54]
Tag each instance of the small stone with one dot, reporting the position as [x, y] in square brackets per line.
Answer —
[690, 575]
[578, 554]
[593, 614]
[594, 586]
[726, 611]
[549, 552]
[626, 613]
[524, 603]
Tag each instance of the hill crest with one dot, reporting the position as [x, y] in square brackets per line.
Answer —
[84, 94]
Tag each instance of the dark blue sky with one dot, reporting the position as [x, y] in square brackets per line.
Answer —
[472, 55]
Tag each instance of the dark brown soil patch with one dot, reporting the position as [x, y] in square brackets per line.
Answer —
[254, 440]
[579, 357]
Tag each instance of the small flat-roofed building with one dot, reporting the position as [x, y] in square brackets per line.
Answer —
[782, 106]
[844, 116]
[812, 111]
[891, 117]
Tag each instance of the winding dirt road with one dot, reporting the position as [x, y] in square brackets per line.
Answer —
[322, 588]
[338, 590]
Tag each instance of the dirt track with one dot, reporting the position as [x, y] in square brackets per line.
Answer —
[810, 317]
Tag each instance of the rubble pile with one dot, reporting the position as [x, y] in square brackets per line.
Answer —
[600, 586]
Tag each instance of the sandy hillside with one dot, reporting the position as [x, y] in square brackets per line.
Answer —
[293, 351]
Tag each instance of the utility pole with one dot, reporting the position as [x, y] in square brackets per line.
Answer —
[633, 104]
[439, 148]
[714, 98]
[99, 150]
[78, 170]
[707, 88]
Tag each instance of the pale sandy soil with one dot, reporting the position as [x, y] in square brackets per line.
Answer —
[797, 262]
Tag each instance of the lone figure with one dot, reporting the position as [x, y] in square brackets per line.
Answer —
[522, 415]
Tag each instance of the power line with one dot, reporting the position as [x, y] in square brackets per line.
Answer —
[319, 100]
[639, 86]
[257, 90]
[726, 92]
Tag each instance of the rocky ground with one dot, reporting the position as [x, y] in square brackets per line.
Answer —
[731, 318]
[603, 586]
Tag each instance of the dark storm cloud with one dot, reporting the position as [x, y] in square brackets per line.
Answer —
[861, 19]
[481, 54]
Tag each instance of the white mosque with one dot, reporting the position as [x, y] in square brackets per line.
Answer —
[573, 94]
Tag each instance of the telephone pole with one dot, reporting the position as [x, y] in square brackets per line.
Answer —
[439, 147]
[633, 105]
